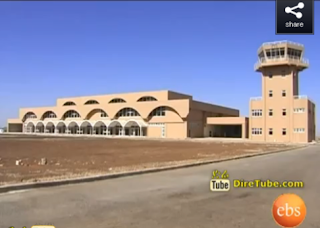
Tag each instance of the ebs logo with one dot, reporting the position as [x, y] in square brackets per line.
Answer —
[289, 210]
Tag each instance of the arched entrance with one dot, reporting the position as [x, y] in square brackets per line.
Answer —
[86, 128]
[133, 128]
[50, 128]
[115, 128]
[100, 128]
[61, 128]
[73, 128]
[30, 128]
[40, 127]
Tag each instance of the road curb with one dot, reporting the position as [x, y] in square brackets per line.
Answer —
[17, 187]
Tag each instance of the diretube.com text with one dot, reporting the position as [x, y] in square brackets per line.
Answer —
[267, 184]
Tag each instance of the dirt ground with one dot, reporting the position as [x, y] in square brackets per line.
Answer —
[74, 157]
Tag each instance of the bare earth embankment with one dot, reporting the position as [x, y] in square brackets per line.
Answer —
[74, 157]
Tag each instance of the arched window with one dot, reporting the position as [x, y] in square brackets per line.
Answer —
[29, 115]
[117, 100]
[127, 112]
[103, 113]
[97, 113]
[147, 98]
[69, 103]
[71, 114]
[160, 111]
[49, 114]
[89, 102]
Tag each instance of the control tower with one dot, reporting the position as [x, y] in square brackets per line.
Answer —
[281, 114]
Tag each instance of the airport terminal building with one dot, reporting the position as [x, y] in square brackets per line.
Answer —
[281, 114]
[152, 114]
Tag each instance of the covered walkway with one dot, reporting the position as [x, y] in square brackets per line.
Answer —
[131, 127]
[227, 127]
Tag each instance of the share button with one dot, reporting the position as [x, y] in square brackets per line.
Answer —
[294, 17]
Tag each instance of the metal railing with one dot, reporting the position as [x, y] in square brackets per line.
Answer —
[300, 97]
[303, 97]
[279, 59]
[282, 42]
[255, 98]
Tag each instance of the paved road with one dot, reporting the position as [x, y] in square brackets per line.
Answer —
[173, 199]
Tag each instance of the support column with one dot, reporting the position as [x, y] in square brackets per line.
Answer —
[243, 131]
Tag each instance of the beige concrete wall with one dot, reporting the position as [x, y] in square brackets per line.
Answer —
[196, 123]
[196, 115]
[171, 116]
[256, 104]
[195, 129]
[95, 114]
[259, 138]
[14, 121]
[105, 99]
[181, 107]
[154, 132]
[176, 130]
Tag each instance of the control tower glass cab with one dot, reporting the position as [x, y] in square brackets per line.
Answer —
[281, 114]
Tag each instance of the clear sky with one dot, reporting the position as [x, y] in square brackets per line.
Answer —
[207, 49]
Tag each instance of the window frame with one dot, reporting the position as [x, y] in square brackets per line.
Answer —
[270, 111]
[284, 112]
[256, 112]
[284, 93]
[256, 131]
[284, 131]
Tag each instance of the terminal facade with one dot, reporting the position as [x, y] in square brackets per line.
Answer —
[281, 114]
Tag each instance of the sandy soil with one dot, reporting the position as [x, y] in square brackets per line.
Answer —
[72, 157]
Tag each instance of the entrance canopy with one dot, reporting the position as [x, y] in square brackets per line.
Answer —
[228, 126]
